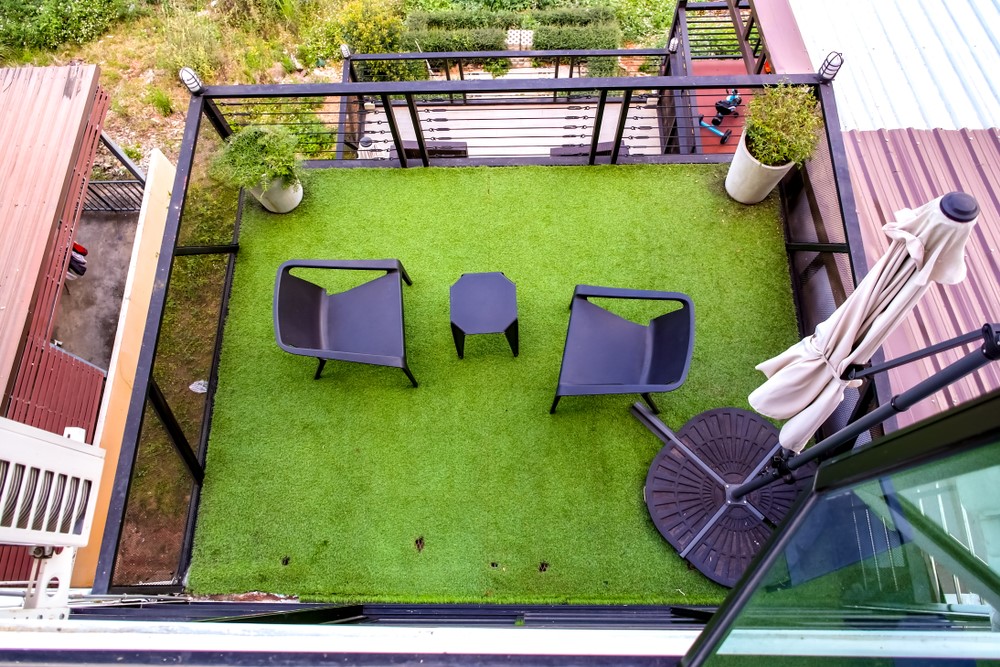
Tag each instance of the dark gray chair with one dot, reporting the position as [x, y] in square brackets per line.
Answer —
[363, 324]
[607, 354]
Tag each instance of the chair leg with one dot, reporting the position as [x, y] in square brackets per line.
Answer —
[552, 410]
[649, 402]
[322, 362]
[413, 380]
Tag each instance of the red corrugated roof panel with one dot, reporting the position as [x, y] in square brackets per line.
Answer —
[44, 113]
[895, 169]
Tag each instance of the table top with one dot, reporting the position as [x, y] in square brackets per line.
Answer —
[483, 303]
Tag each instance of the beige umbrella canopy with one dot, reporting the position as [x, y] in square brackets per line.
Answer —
[804, 382]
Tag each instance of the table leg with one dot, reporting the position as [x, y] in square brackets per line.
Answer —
[512, 338]
[459, 337]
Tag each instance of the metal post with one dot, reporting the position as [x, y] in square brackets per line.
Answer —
[390, 118]
[216, 118]
[622, 116]
[598, 118]
[415, 119]
[180, 442]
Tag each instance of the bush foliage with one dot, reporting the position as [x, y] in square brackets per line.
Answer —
[782, 124]
[553, 38]
[367, 26]
[47, 24]
[258, 13]
[194, 40]
[256, 155]
[482, 39]
[575, 16]
[460, 19]
[642, 19]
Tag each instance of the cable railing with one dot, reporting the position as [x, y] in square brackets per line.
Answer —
[501, 121]
[505, 65]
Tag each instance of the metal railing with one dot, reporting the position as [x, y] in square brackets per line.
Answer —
[506, 65]
[451, 123]
[116, 196]
[113, 196]
[497, 122]
[720, 30]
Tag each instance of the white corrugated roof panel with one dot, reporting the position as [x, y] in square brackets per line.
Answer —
[920, 64]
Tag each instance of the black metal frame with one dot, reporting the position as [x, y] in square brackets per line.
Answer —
[959, 430]
[145, 387]
[120, 195]
[209, 105]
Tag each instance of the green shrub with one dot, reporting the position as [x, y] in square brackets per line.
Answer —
[460, 19]
[259, 13]
[483, 39]
[574, 16]
[553, 38]
[509, 5]
[49, 23]
[367, 26]
[133, 152]
[256, 155]
[497, 66]
[642, 19]
[313, 130]
[782, 124]
[160, 101]
[427, 5]
[193, 41]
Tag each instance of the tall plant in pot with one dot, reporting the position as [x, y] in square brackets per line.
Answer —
[262, 159]
[781, 130]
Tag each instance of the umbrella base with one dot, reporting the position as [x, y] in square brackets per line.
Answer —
[687, 489]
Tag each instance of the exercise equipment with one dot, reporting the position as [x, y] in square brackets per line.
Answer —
[727, 107]
[723, 136]
[724, 107]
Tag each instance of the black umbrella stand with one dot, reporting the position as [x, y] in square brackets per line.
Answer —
[711, 489]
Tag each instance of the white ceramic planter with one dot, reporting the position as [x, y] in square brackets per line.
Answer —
[749, 181]
[277, 198]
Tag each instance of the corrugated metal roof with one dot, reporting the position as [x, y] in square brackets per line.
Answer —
[895, 169]
[43, 115]
[920, 64]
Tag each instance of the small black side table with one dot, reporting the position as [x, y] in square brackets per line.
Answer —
[483, 303]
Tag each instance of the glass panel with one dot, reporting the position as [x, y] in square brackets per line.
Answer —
[149, 550]
[210, 205]
[905, 566]
[188, 336]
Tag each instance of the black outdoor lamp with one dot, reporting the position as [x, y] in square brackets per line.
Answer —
[831, 65]
[190, 79]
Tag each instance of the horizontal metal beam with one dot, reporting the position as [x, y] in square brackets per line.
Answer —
[222, 249]
[503, 85]
[713, 158]
[817, 247]
[479, 55]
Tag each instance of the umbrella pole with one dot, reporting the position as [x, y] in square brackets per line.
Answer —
[990, 351]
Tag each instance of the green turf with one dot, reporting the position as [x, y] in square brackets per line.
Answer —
[323, 488]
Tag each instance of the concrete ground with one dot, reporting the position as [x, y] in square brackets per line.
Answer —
[88, 310]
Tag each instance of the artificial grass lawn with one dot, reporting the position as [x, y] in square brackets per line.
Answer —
[360, 487]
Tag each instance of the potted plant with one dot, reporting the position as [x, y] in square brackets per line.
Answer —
[262, 160]
[781, 130]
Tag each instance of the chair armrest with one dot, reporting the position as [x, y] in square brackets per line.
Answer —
[387, 265]
[587, 291]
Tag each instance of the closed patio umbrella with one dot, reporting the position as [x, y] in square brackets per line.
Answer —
[804, 383]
